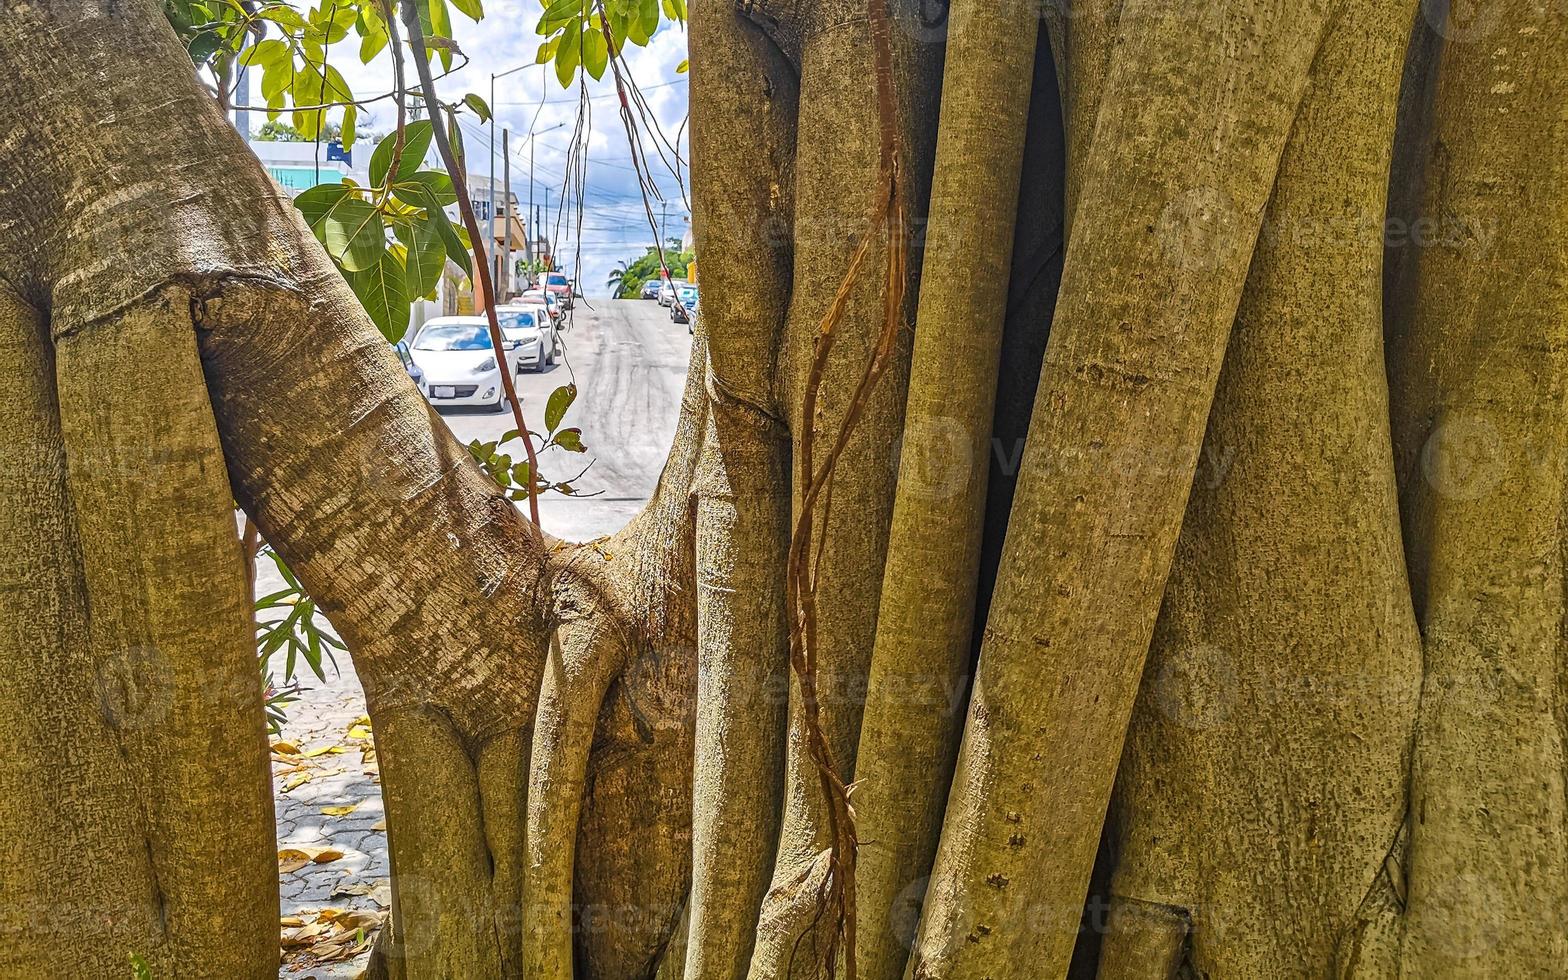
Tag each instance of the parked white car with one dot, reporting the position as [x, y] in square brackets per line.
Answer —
[460, 365]
[530, 327]
[538, 297]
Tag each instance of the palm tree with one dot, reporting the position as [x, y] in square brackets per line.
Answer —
[616, 280]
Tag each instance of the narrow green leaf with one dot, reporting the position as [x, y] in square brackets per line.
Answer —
[472, 9]
[456, 250]
[567, 53]
[480, 106]
[454, 137]
[555, 408]
[596, 54]
[350, 119]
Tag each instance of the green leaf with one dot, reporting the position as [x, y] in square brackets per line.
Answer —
[317, 201]
[454, 137]
[683, 67]
[480, 106]
[570, 440]
[284, 16]
[435, 21]
[350, 119]
[353, 234]
[276, 79]
[567, 53]
[547, 51]
[472, 9]
[372, 45]
[455, 249]
[410, 190]
[335, 26]
[203, 45]
[596, 54]
[647, 20]
[316, 86]
[559, 12]
[416, 143]
[264, 53]
[555, 408]
[383, 293]
[426, 256]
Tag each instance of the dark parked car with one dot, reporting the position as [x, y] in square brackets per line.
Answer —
[409, 365]
[685, 302]
[650, 289]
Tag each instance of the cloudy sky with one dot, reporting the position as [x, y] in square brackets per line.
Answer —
[614, 224]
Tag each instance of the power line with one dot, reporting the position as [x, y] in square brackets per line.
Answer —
[594, 98]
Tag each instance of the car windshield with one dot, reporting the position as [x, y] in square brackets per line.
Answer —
[515, 321]
[453, 336]
[688, 296]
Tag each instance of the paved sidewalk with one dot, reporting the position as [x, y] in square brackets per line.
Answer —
[332, 849]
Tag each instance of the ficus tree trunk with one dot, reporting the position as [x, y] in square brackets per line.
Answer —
[1189, 599]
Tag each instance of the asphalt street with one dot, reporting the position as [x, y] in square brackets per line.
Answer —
[629, 363]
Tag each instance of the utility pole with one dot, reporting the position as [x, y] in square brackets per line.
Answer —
[491, 173]
[506, 203]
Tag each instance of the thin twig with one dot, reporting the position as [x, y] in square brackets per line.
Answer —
[416, 44]
[887, 212]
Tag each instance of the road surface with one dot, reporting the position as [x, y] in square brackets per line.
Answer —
[629, 362]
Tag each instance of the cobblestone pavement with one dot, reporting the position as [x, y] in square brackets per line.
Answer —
[629, 363]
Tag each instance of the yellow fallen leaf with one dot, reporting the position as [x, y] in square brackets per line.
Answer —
[291, 922]
[379, 824]
[318, 855]
[285, 748]
[359, 731]
[356, 920]
[303, 936]
[340, 811]
[323, 750]
[296, 780]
